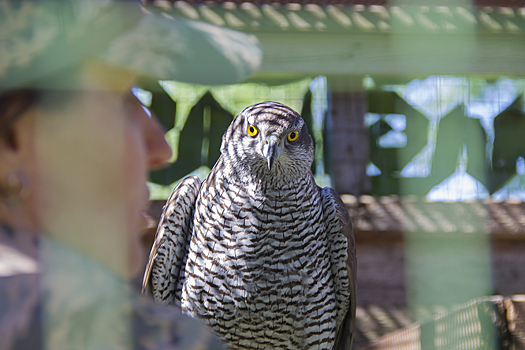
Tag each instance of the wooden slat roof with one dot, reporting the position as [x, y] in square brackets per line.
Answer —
[394, 216]
[345, 38]
[342, 39]
[477, 3]
[351, 16]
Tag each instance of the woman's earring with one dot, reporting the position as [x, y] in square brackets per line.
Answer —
[15, 189]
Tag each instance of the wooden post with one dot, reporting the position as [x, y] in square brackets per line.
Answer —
[349, 142]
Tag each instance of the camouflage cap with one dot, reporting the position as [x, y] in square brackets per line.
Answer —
[38, 38]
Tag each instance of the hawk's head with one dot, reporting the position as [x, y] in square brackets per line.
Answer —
[269, 137]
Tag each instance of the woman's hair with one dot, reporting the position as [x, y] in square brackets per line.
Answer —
[13, 104]
[49, 92]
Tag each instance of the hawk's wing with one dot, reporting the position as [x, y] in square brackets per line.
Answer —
[165, 270]
[343, 260]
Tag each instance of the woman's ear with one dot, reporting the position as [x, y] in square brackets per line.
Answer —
[10, 140]
[17, 158]
[16, 121]
[17, 140]
[7, 139]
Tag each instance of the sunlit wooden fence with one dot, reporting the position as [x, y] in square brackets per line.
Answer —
[487, 323]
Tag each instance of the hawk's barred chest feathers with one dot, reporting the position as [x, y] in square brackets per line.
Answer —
[257, 251]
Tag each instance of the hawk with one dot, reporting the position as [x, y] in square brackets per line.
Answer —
[257, 251]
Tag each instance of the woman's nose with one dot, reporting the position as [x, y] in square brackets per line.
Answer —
[159, 152]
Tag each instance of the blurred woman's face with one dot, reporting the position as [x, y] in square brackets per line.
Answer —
[94, 150]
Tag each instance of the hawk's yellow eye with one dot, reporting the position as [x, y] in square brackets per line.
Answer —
[252, 130]
[293, 136]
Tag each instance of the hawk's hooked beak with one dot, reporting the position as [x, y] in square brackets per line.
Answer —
[272, 149]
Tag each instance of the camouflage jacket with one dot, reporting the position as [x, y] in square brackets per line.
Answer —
[54, 298]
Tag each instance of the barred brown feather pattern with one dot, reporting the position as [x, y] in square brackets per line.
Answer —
[338, 253]
[260, 253]
[343, 260]
[167, 259]
[258, 269]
